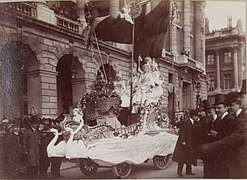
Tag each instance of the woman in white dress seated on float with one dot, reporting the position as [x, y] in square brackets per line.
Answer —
[157, 90]
[148, 87]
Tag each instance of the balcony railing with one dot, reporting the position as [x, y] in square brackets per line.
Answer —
[188, 61]
[25, 8]
[68, 24]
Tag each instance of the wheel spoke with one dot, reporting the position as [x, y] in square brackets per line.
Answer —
[161, 162]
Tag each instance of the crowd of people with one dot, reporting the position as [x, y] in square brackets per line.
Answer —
[23, 148]
[216, 134]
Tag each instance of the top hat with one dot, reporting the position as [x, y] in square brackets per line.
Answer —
[219, 99]
[207, 105]
[243, 89]
[231, 97]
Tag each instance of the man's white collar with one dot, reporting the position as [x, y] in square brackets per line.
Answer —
[238, 112]
[224, 115]
[192, 121]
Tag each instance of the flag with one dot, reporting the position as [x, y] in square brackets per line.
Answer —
[149, 32]
[151, 39]
[119, 29]
[115, 30]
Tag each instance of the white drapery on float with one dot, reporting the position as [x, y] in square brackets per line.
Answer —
[134, 150]
[102, 143]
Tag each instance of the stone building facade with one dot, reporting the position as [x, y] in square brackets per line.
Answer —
[45, 63]
[225, 59]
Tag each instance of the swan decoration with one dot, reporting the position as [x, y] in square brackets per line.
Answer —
[57, 150]
[75, 148]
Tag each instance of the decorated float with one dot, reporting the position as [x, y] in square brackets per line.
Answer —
[110, 143]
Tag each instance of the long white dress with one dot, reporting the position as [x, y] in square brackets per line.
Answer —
[123, 92]
[157, 90]
[143, 86]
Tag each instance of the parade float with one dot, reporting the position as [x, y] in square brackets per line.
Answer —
[109, 143]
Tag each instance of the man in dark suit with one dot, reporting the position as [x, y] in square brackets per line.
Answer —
[185, 150]
[224, 127]
[31, 149]
[235, 143]
[15, 153]
[45, 138]
[225, 121]
[209, 164]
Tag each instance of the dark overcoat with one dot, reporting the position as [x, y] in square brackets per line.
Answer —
[186, 153]
[236, 144]
[225, 126]
[15, 155]
[31, 146]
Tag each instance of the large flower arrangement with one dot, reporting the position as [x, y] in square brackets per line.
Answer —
[100, 99]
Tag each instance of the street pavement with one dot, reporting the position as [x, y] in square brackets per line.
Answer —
[70, 170]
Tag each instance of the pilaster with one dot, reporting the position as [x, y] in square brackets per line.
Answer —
[217, 86]
[235, 68]
[187, 25]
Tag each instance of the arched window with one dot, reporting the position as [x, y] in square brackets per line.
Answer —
[108, 72]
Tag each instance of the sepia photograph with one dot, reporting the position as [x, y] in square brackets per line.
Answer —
[123, 89]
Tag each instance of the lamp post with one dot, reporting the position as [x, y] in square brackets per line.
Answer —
[198, 88]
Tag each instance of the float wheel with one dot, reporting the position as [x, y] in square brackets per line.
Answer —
[88, 167]
[122, 170]
[161, 162]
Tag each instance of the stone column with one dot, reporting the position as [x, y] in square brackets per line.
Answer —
[80, 11]
[203, 39]
[199, 39]
[114, 8]
[217, 88]
[240, 66]
[235, 67]
[187, 25]
[197, 35]
[173, 34]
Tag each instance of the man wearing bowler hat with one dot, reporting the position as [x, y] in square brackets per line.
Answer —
[236, 143]
[185, 150]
